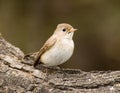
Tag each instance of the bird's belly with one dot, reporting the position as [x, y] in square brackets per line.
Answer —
[58, 54]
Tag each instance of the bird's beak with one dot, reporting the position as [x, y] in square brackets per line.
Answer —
[73, 30]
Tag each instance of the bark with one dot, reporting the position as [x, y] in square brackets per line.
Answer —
[17, 75]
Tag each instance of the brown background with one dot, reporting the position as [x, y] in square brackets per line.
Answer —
[28, 24]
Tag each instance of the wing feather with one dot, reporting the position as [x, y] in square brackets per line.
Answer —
[48, 44]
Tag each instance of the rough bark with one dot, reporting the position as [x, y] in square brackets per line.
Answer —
[19, 76]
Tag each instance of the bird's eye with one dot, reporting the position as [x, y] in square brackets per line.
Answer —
[64, 30]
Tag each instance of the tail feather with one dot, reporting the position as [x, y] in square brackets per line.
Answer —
[36, 61]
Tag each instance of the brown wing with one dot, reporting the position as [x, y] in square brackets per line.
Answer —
[48, 44]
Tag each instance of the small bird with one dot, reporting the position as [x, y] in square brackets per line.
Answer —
[58, 48]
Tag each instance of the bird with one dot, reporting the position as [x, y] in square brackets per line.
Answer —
[58, 48]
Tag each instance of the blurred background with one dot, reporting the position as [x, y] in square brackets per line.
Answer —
[27, 24]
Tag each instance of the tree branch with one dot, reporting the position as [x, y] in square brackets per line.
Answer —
[19, 76]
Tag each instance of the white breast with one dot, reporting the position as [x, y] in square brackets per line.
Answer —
[59, 53]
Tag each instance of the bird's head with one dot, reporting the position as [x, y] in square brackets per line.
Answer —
[64, 30]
